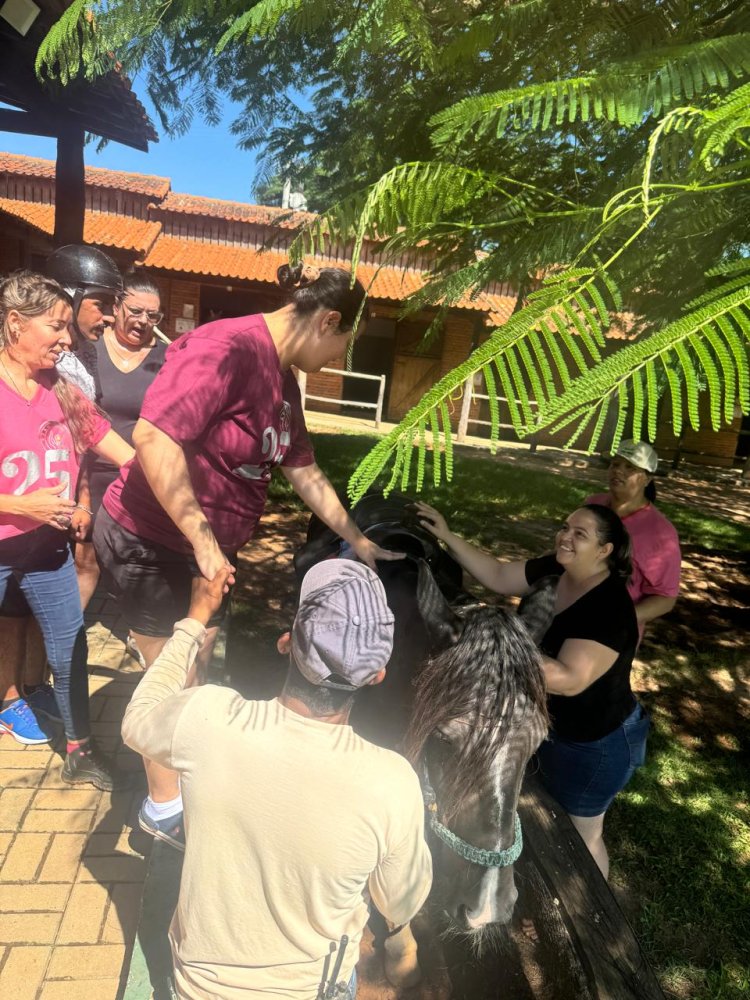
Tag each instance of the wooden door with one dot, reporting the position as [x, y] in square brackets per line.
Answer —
[412, 377]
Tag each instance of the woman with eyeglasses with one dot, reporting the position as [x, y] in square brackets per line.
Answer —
[129, 356]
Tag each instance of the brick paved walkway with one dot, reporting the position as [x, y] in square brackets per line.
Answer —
[70, 884]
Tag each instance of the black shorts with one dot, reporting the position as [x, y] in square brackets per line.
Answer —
[153, 583]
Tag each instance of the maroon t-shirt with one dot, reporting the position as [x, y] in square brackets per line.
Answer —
[222, 396]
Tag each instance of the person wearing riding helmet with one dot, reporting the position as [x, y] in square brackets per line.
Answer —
[222, 413]
[94, 283]
[655, 581]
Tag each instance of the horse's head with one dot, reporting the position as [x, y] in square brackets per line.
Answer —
[479, 714]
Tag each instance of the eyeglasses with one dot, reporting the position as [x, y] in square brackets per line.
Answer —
[152, 315]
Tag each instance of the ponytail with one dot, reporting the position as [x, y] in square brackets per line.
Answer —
[311, 288]
[611, 531]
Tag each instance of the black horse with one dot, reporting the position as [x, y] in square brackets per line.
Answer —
[463, 698]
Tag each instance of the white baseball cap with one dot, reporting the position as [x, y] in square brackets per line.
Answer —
[640, 454]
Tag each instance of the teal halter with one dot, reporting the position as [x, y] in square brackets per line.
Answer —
[478, 855]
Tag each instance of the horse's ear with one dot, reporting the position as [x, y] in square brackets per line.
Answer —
[443, 625]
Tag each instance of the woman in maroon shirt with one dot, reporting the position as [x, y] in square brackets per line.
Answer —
[221, 414]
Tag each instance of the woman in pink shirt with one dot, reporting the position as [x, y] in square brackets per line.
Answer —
[47, 424]
[655, 582]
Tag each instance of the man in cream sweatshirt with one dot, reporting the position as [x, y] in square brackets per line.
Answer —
[293, 823]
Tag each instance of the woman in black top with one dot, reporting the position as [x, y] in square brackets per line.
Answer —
[599, 730]
[128, 359]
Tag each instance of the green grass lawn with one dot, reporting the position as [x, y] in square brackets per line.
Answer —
[679, 835]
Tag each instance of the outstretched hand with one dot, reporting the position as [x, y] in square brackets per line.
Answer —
[369, 553]
[207, 595]
[432, 520]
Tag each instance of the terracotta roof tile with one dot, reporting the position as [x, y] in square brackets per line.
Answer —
[232, 211]
[220, 260]
[118, 180]
[100, 228]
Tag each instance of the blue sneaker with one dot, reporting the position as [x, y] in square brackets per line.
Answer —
[18, 720]
[43, 701]
[170, 830]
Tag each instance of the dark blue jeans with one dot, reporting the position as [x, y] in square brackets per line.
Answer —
[42, 563]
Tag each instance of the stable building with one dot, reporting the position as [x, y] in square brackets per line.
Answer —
[214, 258]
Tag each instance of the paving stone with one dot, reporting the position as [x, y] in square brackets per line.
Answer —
[81, 961]
[100, 845]
[123, 868]
[52, 778]
[23, 757]
[70, 820]
[124, 910]
[67, 798]
[114, 709]
[96, 706]
[35, 898]
[63, 857]
[116, 810]
[84, 914]
[127, 760]
[29, 928]
[23, 972]
[24, 857]
[97, 680]
[18, 778]
[82, 989]
[5, 839]
[9, 745]
[13, 804]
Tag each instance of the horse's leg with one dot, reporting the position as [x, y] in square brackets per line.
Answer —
[401, 965]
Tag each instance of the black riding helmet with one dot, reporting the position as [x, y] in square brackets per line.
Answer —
[83, 271]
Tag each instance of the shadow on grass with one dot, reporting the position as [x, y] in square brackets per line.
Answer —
[679, 840]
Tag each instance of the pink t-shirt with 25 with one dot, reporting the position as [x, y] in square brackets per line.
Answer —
[223, 396]
[37, 450]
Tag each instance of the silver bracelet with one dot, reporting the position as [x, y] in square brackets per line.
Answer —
[82, 506]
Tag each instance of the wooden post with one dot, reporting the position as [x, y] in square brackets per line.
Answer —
[302, 383]
[463, 420]
[70, 186]
[379, 410]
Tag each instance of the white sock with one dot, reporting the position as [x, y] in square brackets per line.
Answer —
[156, 811]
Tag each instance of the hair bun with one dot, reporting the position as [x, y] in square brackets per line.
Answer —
[298, 276]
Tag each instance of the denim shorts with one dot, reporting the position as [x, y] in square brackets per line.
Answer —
[585, 777]
[153, 583]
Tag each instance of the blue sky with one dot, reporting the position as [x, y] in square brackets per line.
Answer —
[205, 161]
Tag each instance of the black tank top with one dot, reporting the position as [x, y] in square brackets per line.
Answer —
[605, 614]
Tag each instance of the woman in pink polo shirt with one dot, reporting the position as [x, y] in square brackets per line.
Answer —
[47, 424]
[655, 582]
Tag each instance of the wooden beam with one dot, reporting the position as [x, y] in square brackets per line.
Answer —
[606, 948]
[70, 186]
[27, 123]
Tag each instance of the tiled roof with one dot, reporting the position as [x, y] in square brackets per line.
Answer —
[232, 211]
[219, 260]
[118, 180]
[100, 228]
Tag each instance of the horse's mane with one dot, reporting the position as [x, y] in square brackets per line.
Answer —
[483, 677]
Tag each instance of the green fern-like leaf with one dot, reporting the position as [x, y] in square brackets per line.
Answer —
[683, 350]
[625, 92]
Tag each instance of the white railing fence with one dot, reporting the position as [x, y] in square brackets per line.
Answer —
[377, 407]
[469, 396]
